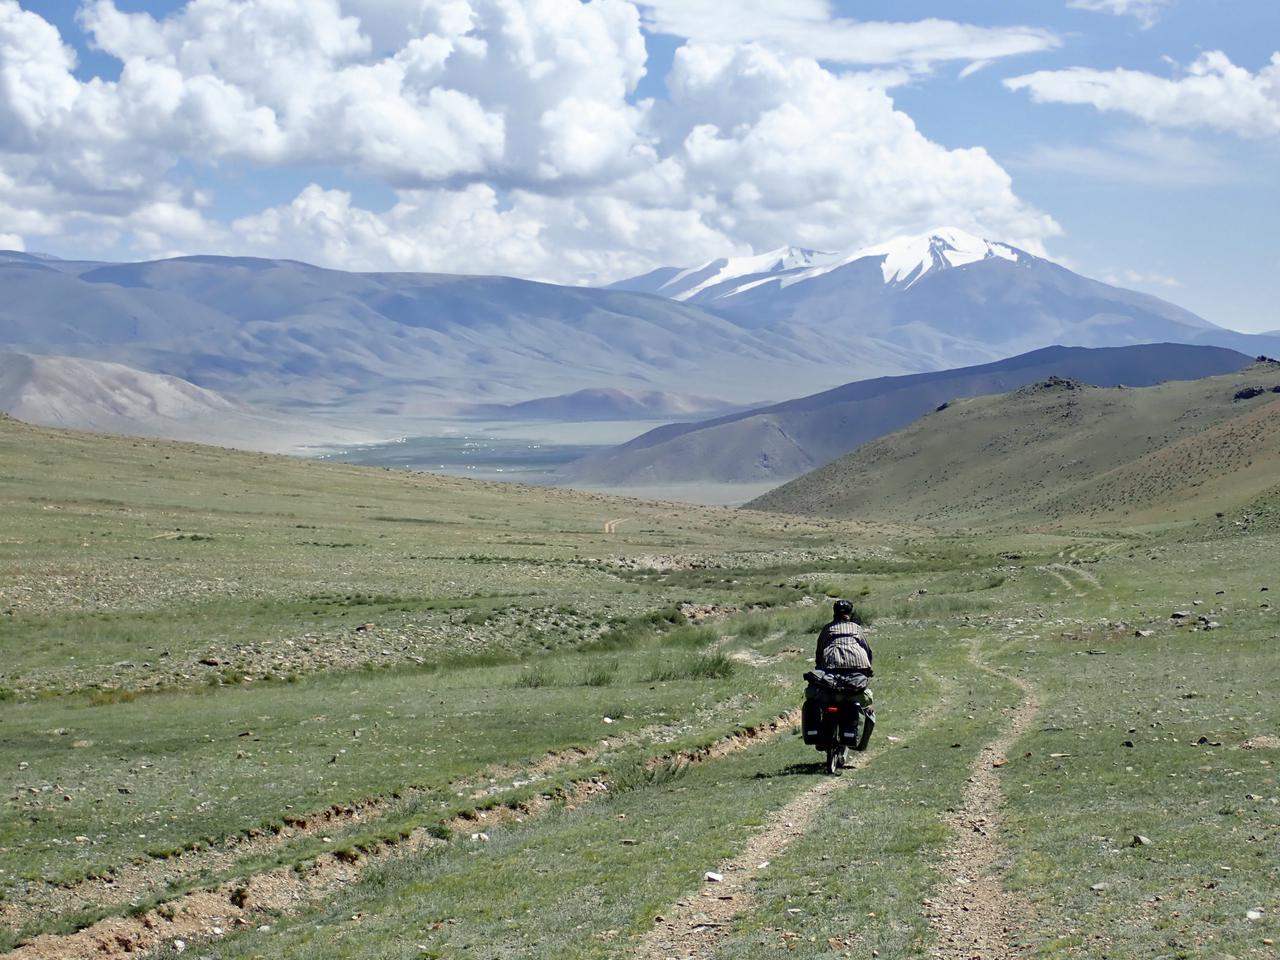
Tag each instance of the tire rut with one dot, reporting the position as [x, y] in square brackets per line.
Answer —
[133, 880]
[972, 915]
[209, 914]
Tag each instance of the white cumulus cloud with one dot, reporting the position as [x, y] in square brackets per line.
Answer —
[1213, 93]
[508, 132]
[810, 28]
[1145, 11]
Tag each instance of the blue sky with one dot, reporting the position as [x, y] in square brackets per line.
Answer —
[1108, 138]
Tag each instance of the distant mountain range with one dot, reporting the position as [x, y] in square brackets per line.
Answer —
[1062, 451]
[290, 334]
[733, 331]
[112, 398]
[787, 439]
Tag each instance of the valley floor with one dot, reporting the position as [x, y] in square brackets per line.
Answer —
[277, 709]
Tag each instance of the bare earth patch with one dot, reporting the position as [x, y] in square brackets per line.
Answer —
[1265, 742]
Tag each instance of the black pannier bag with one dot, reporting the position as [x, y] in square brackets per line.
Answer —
[825, 689]
[811, 721]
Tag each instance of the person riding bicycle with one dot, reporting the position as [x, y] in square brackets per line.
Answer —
[842, 645]
[842, 662]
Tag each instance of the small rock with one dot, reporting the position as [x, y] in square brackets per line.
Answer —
[1253, 914]
[713, 877]
[1180, 615]
[1140, 841]
[179, 946]
[1144, 633]
[1100, 886]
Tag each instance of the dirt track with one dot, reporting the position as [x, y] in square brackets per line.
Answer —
[973, 916]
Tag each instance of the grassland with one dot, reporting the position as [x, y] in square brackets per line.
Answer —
[459, 719]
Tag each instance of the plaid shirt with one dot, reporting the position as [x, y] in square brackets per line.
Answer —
[842, 646]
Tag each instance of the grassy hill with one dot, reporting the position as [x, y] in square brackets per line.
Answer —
[1060, 451]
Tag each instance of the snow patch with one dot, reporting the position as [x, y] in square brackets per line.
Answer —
[719, 271]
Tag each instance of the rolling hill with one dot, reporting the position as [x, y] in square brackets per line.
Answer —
[112, 398]
[1059, 451]
[787, 439]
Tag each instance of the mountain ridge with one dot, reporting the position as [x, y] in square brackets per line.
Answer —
[784, 440]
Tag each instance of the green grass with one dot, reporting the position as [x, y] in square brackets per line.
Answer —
[1132, 722]
[168, 770]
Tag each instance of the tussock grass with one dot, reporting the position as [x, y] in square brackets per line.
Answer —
[600, 673]
[632, 631]
[710, 666]
[532, 677]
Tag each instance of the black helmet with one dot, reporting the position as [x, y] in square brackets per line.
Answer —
[842, 608]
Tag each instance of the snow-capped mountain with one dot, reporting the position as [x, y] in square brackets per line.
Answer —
[906, 260]
[946, 298]
[903, 262]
